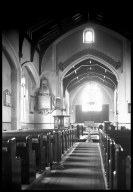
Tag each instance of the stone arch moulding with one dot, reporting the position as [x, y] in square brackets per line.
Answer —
[33, 74]
[11, 55]
[6, 45]
[96, 55]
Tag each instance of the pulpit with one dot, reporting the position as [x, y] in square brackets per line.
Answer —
[61, 121]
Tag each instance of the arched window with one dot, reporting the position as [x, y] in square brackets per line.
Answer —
[88, 35]
[91, 98]
[23, 95]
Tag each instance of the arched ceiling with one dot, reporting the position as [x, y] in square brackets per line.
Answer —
[89, 70]
[44, 23]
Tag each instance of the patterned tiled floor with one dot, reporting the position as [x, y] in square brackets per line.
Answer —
[82, 171]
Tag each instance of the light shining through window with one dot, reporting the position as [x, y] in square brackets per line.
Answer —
[23, 94]
[88, 35]
[92, 98]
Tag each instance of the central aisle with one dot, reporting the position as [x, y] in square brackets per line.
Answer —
[82, 170]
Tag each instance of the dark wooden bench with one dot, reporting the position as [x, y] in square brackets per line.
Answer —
[52, 143]
[122, 137]
[57, 146]
[49, 145]
[27, 155]
[11, 166]
[67, 139]
[40, 150]
[107, 156]
[79, 131]
[103, 146]
[41, 143]
[115, 164]
[118, 172]
[105, 142]
[111, 163]
[63, 141]
[128, 172]
[47, 135]
[121, 168]
[71, 137]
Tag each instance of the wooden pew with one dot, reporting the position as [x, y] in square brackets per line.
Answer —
[48, 143]
[65, 137]
[78, 131]
[103, 146]
[11, 166]
[105, 141]
[41, 143]
[122, 137]
[107, 157]
[119, 175]
[111, 163]
[63, 141]
[27, 155]
[54, 144]
[128, 173]
[40, 150]
[74, 135]
[68, 139]
[57, 146]
[115, 160]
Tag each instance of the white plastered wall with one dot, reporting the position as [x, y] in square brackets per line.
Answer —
[124, 88]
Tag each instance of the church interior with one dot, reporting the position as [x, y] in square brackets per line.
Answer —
[66, 98]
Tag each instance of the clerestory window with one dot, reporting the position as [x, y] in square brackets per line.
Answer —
[88, 35]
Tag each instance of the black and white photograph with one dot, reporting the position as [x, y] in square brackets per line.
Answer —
[66, 95]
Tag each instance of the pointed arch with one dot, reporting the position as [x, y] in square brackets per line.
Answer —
[89, 56]
[33, 74]
[14, 63]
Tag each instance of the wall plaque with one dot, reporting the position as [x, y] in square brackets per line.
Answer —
[7, 98]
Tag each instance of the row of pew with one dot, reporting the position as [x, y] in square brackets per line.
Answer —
[80, 130]
[26, 152]
[116, 152]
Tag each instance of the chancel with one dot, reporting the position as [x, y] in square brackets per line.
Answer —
[66, 98]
